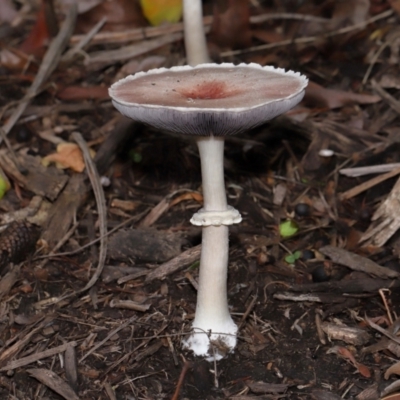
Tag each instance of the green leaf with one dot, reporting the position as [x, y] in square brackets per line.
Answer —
[288, 228]
[4, 186]
[291, 258]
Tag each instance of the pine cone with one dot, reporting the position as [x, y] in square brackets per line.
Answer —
[17, 242]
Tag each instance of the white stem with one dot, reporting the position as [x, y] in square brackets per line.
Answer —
[211, 151]
[212, 301]
[212, 321]
[195, 38]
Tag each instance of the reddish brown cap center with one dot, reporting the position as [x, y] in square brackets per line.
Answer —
[211, 90]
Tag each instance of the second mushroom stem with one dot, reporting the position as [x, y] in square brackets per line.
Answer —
[195, 38]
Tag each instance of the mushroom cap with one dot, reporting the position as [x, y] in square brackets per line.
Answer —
[208, 99]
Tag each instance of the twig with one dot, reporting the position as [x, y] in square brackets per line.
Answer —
[357, 262]
[151, 32]
[109, 390]
[58, 245]
[146, 340]
[248, 311]
[182, 375]
[69, 55]
[186, 258]
[321, 334]
[392, 101]
[385, 303]
[383, 331]
[368, 185]
[101, 208]
[48, 65]
[69, 253]
[172, 350]
[111, 334]
[371, 169]
[373, 61]
[309, 39]
[37, 356]
[258, 19]
[193, 282]
[17, 346]
[133, 50]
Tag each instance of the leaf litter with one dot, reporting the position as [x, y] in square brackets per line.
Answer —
[80, 321]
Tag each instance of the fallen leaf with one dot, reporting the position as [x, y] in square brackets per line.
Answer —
[347, 355]
[394, 369]
[159, 12]
[4, 184]
[394, 396]
[318, 96]
[288, 228]
[40, 34]
[83, 93]
[68, 155]
[363, 370]
[54, 382]
[187, 196]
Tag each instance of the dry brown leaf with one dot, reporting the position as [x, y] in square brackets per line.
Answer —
[187, 196]
[68, 155]
[54, 382]
[83, 93]
[318, 96]
[394, 369]
[347, 355]
[39, 36]
[394, 396]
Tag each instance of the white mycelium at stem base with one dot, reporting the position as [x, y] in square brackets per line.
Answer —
[214, 332]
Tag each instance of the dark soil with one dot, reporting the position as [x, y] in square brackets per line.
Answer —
[283, 291]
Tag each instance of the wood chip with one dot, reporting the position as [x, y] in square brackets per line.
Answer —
[348, 334]
[71, 366]
[130, 305]
[54, 382]
[356, 190]
[43, 181]
[264, 387]
[186, 258]
[37, 356]
[146, 245]
[64, 210]
[357, 263]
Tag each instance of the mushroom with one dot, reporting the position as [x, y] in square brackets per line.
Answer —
[195, 38]
[210, 101]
